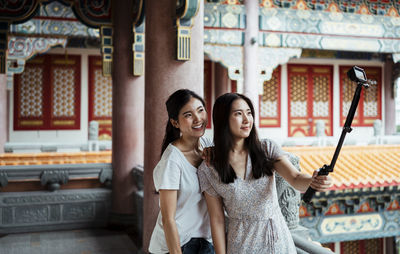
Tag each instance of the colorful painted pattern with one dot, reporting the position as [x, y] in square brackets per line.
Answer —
[63, 22]
[367, 7]
[307, 28]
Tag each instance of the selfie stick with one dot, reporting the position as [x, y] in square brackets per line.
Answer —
[355, 74]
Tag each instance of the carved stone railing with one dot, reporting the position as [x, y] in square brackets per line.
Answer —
[289, 201]
[54, 208]
[53, 176]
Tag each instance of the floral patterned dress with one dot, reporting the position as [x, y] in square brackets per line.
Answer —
[255, 223]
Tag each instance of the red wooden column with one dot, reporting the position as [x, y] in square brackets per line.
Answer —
[3, 112]
[389, 96]
[222, 81]
[164, 75]
[128, 111]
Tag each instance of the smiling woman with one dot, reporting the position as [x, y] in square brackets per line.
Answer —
[241, 180]
[183, 224]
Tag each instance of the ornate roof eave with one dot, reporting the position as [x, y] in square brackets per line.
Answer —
[352, 214]
[95, 15]
[303, 29]
[23, 48]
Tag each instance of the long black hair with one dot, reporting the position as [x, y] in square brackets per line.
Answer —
[223, 141]
[175, 103]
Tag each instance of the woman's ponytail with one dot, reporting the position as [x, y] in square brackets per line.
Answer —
[171, 134]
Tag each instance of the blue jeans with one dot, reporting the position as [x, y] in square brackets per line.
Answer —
[198, 246]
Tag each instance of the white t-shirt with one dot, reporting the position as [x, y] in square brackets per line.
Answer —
[174, 172]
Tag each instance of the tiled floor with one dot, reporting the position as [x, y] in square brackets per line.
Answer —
[93, 241]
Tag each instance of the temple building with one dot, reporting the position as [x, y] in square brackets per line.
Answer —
[83, 86]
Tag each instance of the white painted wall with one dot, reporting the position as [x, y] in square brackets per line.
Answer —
[59, 136]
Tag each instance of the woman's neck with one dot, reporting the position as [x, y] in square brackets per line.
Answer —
[238, 146]
[186, 144]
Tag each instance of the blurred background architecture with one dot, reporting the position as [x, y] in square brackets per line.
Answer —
[82, 91]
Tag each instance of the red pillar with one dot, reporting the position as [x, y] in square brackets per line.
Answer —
[390, 101]
[164, 75]
[222, 81]
[3, 112]
[250, 66]
[128, 111]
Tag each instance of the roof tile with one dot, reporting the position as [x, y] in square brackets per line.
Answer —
[356, 166]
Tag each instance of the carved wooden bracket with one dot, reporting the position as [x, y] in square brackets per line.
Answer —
[3, 179]
[53, 179]
[186, 10]
[105, 176]
[138, 37]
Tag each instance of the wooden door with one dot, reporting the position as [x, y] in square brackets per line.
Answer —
[309, 99]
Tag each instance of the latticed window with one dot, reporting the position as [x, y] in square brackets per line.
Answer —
[47, 94]
[270, 101]
[100, 97]
[369, 246]
[369, 108]
[310, 98]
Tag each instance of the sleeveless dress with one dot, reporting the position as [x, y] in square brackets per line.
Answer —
[255, 223]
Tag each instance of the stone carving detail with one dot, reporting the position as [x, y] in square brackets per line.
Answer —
[7, 216]
[64, 209]
[55, 213]
[93, 130]
[53, 179]
[3, 179]
[31, 214]
[320, 128]
[377, 128]
[78, 212]
[39, 199]
[288, 197]
[137, 173]
[105, 177]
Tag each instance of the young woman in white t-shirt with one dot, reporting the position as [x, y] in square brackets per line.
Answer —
[183, 224]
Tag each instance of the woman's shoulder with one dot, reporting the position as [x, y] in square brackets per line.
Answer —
[269, 143]
[271, 148]
[169, 152]
[170, 155]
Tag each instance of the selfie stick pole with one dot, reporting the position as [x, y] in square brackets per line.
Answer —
[326, 169]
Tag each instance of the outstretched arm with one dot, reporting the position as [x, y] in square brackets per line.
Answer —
[217, 220]
[301, 181]
[168, 200]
